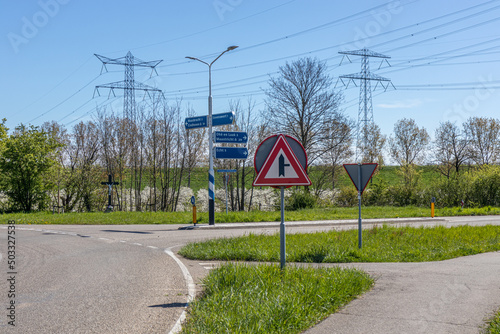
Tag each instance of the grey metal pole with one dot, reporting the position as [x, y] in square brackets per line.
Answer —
[360, 241]
[226, 191]
[211, 178]
[282, 230]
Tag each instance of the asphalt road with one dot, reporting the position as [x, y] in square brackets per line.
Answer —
[122, 278]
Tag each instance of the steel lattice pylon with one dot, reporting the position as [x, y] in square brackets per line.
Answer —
[129, 85]
[365, 112]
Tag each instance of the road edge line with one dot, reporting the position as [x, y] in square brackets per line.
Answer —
[191, 289]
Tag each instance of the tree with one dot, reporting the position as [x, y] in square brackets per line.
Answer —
[337, 147]
[27, 158]
[483, 135]
[301, 102]
[409, 142]
[3, 134]
[451, 148]
[376, 141]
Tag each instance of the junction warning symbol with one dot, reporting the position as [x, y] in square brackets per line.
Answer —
[281, 167]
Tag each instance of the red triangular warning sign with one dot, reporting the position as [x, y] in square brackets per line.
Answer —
[281, 168]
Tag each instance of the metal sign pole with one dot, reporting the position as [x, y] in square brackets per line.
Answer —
[360, 241]
[226, 191]
[282, 230]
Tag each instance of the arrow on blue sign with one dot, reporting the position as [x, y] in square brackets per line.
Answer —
[230, 137]
[231, 152]
[225, 118]
[196, 122]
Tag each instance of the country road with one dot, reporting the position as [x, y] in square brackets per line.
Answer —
[120, 278]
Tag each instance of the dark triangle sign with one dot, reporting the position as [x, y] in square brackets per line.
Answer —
[282, 168]
[366, 171]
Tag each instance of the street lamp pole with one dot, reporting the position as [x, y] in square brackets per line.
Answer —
[211, 177]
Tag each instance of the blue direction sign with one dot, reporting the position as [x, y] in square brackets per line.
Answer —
[225, 118]
[231, 152]
[230, 137]
[196, 122]
[226, 170]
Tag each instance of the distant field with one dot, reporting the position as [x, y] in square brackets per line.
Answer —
[199, 177]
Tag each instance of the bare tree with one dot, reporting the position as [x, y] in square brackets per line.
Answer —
[376, 142]
[451, 148]
[337, 147]
[301, 102]
[483, 135]
[409, 142]
[195, 150]
[85, 154]
[246, 121]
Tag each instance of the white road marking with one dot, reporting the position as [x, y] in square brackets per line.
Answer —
[191, 290]
[208, 266]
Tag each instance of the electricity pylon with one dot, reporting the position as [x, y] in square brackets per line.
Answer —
[129, 85]
[365, 112]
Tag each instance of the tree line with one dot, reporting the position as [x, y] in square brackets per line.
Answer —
[151, 154]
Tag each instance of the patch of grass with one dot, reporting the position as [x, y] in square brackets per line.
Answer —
[99, 218]
[264, 299]
[494, 325]
[331, 213]
[380, 244]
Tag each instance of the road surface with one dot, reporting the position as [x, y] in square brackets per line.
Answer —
[121, 278]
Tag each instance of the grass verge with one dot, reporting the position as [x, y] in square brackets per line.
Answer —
[263, 299]
[380, 244]
[118, 218]
[494, 325]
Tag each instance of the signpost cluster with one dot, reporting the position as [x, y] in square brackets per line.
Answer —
[227, 137]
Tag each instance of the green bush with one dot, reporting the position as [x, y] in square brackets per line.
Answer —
[300, 199]
[348, 196]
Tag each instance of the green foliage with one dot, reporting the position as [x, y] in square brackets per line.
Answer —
[264, 299]
[25, 161]
[300, 199]
[494, 325]
[348, 196]
[380, 244]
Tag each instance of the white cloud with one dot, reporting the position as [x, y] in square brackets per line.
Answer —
[405, 104]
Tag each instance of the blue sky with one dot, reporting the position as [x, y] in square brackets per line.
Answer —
[444, 54]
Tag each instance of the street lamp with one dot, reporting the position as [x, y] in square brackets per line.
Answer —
[211, 178]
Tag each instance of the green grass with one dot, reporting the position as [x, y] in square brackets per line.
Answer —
[99, 218]
[494, 325]
[380, 244]
[118, 218]
[263, 299]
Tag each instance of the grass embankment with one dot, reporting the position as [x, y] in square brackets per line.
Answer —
[263, 299]
[380, 244]
[118, 218]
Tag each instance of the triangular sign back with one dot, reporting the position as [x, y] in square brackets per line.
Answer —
[282, 168]
[366, 171]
